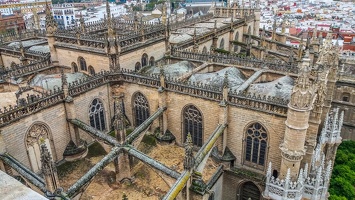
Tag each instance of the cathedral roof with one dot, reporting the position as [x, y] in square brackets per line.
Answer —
[173, 70]
[49, 82]
[40, 48]
[216, 79]
[281, 88]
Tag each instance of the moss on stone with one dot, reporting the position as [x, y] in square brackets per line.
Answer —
[222, 51]
[96, 150]
[129, 131]
[112, 133]
[149, 140]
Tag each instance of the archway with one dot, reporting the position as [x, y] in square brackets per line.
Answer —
[82, 64]
[37, 134]
[249, 191]
[91, 70]
[144, 60]
[74, 67]
[151, 61]
[138, 66]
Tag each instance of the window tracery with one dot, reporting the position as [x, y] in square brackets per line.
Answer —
[256, 143]
[141, 108]
[193, 124]
[96, 115]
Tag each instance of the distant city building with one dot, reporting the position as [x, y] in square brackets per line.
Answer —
[9, 23]
[64, 15]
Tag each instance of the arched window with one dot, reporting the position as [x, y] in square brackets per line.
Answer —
[346, 97]
[140, 108]
[82, 63]
[221, 44]
[91, 70]
[37, 134]
[151, 61]
[192, 121]
[144, 60]
[137, 67]
[249, 30]
[96, 115]
[204, 50]
[249, 191]
[74, 67]
[256, 143]
[236, 38]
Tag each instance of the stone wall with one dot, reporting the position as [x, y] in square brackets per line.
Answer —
[8, 59]
[67, 56]
[240, 119]
[15, 133]
[129, 60]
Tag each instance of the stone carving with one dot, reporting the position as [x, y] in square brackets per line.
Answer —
[37, 132]
[189, 158]
[48, 165]
[51, 25]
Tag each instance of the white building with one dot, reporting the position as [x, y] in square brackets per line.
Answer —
[64, 15]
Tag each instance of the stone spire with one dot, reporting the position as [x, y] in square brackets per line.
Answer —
[64, 84]
[51, 24]
[300, 50]
[314, 34]
[303, 91]
[164, 14]
[82, 23]
[110, 31]
[274, 30]
[49, 169]
[35, 19]
[189, 158]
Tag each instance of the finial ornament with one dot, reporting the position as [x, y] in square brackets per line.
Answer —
[51, 25]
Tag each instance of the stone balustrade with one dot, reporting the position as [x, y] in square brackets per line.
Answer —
[264, 104]
[235, 60]
[21, 70]
[13, 113]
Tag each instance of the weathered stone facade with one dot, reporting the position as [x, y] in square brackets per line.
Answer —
[242, 131]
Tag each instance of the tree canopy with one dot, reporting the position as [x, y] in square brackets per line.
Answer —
[342, 183]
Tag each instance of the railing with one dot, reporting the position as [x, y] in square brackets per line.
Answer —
[252, 101]
[194, 89]
[9, 37]
[11, 114]
[258, 102]
[235, 60]
[20, 70]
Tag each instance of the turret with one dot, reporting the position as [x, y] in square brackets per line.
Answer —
[299, 107]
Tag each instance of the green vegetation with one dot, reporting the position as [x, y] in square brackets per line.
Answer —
[96, 150]
[149, 140]
[343, 178]
[222, 51]
[112, 133]
[129, 131]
